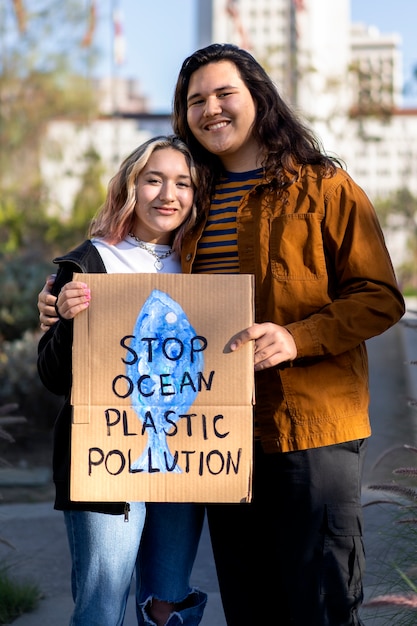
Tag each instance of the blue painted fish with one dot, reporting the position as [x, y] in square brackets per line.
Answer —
[170, 357]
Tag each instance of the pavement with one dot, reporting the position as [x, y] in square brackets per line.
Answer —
[37, 550]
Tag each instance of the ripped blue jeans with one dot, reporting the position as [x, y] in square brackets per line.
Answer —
[166, 558]
[159, 542]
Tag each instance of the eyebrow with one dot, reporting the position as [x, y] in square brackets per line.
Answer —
[162, 174]
[198, 94]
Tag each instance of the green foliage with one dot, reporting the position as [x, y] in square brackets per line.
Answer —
[410, 290]
[11, 225]
[21, 278]
[399, 598]
[20, 384]
[90, 196]
[23, 223]
[399, 212]
[18, 368]
[400, 203]
[44, 74]
[16, 597]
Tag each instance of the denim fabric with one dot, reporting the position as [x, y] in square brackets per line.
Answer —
[167, 553]
[104, 550]
[189, 614]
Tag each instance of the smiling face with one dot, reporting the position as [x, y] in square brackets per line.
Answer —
[164, 196]
[221, 114]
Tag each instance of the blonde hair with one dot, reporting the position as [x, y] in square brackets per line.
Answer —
[116, 217]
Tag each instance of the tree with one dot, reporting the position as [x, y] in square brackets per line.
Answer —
[88, 200]
[44, 74]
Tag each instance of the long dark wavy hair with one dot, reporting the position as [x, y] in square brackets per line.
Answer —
[285, 141]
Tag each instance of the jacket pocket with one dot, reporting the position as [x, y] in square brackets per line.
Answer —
[296, 247]
[328, 389]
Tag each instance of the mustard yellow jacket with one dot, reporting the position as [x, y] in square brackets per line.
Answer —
[322, 270]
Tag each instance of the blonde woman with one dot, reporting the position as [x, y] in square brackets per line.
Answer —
[148, 209]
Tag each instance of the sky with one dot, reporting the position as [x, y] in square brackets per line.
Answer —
[159, 34]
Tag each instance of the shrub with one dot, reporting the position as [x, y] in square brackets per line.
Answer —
[20, 382]
[397, 597]
[21, 279]
[16, 597]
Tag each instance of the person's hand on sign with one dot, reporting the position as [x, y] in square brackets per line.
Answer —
[73, 298]
[274, 344]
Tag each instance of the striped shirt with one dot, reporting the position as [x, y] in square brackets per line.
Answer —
[217, 248]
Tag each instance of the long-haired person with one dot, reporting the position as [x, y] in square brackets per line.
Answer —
[148, 209]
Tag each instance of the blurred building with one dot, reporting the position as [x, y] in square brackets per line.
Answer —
[375, 69]
[120, 95]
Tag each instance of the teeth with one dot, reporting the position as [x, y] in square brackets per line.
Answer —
[217, 126]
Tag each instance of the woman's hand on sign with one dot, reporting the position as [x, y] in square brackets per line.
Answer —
[73, 298]
[273, 344]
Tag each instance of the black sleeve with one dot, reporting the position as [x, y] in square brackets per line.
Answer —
[55, 347]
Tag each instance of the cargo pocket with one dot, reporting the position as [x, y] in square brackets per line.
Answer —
[343, 552]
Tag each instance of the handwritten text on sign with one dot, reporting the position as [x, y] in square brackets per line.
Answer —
[163, 364]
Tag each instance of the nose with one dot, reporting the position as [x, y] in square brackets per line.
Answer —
[168, 191]
[212, 106]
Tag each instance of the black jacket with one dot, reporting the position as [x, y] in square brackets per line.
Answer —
[55, 371]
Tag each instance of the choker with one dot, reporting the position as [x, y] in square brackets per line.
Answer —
[158, 257]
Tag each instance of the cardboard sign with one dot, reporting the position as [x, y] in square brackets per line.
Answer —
[162, 410]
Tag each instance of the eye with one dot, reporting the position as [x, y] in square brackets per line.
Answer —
[196, 103]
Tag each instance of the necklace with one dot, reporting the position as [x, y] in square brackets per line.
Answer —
[142, 244]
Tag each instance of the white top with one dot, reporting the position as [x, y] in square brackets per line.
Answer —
[127, 258]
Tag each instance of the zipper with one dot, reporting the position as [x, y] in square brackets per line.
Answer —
[126, 511]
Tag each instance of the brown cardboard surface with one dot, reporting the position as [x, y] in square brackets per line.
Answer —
[162, 411]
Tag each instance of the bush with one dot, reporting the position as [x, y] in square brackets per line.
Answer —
[21, 279]
[16, 598]
[20, 383]
[400, 597]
